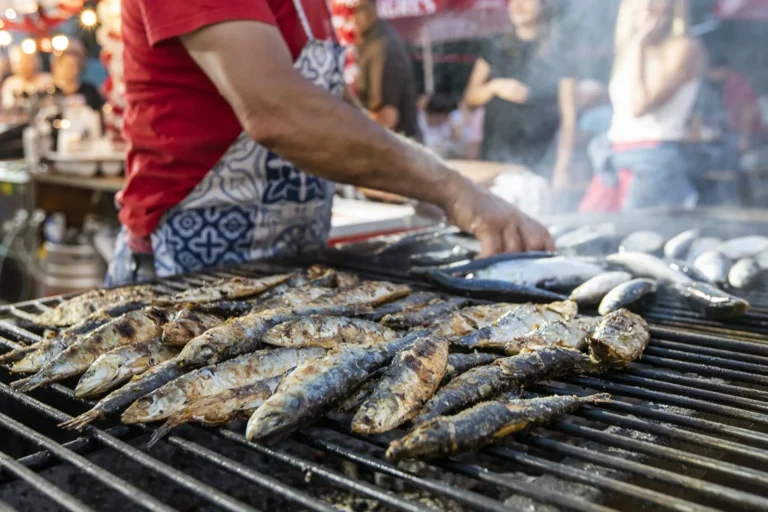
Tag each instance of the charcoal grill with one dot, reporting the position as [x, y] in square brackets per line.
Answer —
[686, 431]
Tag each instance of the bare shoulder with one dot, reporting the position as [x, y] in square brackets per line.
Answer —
[687, 52]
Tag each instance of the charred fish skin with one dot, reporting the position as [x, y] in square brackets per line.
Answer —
[118, 399]
[424, 315]
[460, 363]
[472, 318]
[188, 324]
[327, 332]
[571, 334]
[619, 339]
[74, 310]
[220, 408]
[35, 357]
[410, 381]
[678, 246]
[480, 425]
[130, 328]
[367, 293]
[313, 388]
[409, 303]
[517, 322]
[627, 294]
[744, 273]
[227, 289]
[120, 365]
[244, 334]
[161, 403]
[505, 374]
[592, 291]
[710, 300]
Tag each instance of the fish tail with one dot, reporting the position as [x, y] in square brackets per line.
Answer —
[166, 428]
[30, 383]
[84, 419]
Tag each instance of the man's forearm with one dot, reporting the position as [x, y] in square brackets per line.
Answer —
[326, 137]
[478, 96]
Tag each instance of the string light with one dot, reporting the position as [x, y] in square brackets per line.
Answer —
[88, 18]
[10, 14]
[60, 42]
[2, 24]
[5, 38]
[45, 45]
[29, 46]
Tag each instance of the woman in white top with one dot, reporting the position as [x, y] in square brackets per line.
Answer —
[26, 79]
[655, 82]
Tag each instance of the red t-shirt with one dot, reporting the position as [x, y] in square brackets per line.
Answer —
[176, 122]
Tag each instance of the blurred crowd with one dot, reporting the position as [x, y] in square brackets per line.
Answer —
[669, 126]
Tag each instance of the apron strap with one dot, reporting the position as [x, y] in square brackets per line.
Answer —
[303, 19]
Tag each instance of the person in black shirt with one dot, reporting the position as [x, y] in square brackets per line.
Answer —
[386, 85]
[519, 78]
[67, 69]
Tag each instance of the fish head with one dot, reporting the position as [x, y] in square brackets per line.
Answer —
[431, 439]
[100, 377]
[376, 417]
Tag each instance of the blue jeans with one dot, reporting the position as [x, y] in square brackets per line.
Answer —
[659, 176]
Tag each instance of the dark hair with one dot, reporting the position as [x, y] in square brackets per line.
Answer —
[719, 60]
[440, 104]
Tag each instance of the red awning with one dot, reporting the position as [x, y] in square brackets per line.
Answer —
[746, 10]
[445, 20]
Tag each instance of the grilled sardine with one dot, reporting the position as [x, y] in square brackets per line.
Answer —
[460, 363]
[518, 322]
[313, 388]
[472, 318]
[367, 293]
[411, 302]
[482, 424]
[235, 337]
[410, 381]
[573, 333]
[172, 397]
[327, 332]
[293, 298]
[221, 408]
[424, 315]
[73, 310]
[227, 289]
[188, 324]
[132, 327]
[503, 375]
[121, 364]
[619, 339]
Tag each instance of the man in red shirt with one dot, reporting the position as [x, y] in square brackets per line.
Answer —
[223, 99]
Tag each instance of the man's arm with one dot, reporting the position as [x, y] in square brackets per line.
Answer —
[251, 67]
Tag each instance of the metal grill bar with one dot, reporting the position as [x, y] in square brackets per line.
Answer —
[687, 436]
[251, 475]
[529, 490]
[19, 334]
[717, 466]
[200, 489]
[41, 484]
[129, 491]
[585, 477]
[4, 507]
[701, 369]
[719, 342]
[80, 445]
[342, 481]
[708, 489]
[693, 392]
[690, 403]
[654, 373]
[10, 345]
[707, 351]
[653, 350]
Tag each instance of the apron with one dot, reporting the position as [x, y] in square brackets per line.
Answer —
[251, 205]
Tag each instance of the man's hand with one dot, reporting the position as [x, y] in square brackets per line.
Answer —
[498, 225]
[510, 90]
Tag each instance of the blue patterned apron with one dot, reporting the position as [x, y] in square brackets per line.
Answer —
[252, 204]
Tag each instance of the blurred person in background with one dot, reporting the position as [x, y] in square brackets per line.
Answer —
[435, 125]
[67, 72]
[656, 80]
[385, 85]
[26, 79]
[521, 79]
[740, 100]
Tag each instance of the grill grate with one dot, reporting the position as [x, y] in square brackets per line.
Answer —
[686, 431]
